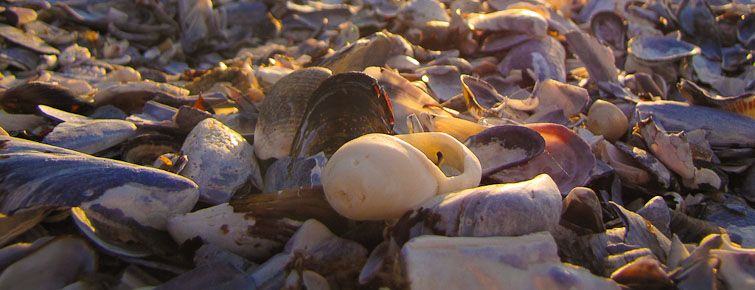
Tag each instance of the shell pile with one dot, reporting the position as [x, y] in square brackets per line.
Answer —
[377, 144]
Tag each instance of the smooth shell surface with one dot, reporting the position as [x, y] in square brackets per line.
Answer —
[90, 136]
[606, 119]
[282, 110]
[660, 49]
[544, 56]
[355, 177]
[523, 21]
[221, 161]
[504, 146]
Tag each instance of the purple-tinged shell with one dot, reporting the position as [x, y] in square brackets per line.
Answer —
[501, 147]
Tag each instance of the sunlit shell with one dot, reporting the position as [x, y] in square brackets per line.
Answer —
[420, 165]
[606, 119]
[27, 40]
[344, 106]
[90, 136]
[566, 159]
[544, 56]
[523, 21]
[282, 111]
[504, 146]
[660, 48]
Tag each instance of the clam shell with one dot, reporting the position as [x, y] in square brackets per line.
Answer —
[132, 96]
[522, 21]
[544, 56]
[609, 28]
[553, 96]
[656, 49]
[90, 136]
[504, 146]
[27, 40]
[565, 159]
[344, 106]
[221, 161]
[282, 111]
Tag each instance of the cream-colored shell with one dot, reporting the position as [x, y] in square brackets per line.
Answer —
[378, 176]
[607, 119]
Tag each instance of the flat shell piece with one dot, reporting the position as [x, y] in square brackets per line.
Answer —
[524, 262]
[27, 40]
[554, 95]
[60, 115]
[724, 128]
[598, 59]
[221, 161]
[660, 48]
[544, 56]
[642, 233]
[90, 136]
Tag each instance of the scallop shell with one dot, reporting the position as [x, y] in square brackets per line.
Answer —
[282, 111]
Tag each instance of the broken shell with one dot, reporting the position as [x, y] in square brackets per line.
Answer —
[25, 97]
[654, 49]
[645, 273]
[524, 262]
[54, 265]
[609, 28]
[243, 234]
[493, 210]
[221, 161]
[606, 119]
[344, 106]
[557, 96]
[522, 21]
[544, 56]
[582, 211]
[504, 146]
[90, 136]
[412, 162]
[27, 40]
[282, 111]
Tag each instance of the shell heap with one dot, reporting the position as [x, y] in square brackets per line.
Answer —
[365, 144]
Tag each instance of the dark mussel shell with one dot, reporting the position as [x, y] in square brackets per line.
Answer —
[501, 147]
[24, 99]
[344, 107]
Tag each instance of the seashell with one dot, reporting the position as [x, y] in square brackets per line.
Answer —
[522, 21]
[746, 31]
[20, 122]
[696, 20]
[27, 40]
[724, 129]
[422, 11]
[657, 212]
[655, 49]
[406, 99]
[132, 96]
[214, 151]
[554, 96]
[355, 192]
[582, 211]
[735, 268]
[20, 58]
[90, 136]
[335, 258]
[598, 59]
[544, 56]
[502, 41]
[12, 226]
[374, 50]
[24, 98]
[293, 173]
[53, 265]
[344, 106]
[456, 127]
[493, 210]
[144, 149]
[645, 273]
[565, 158]
[640, 232]
[443, 81]
[282, 111]
[501, 147]
[608, 27]
[480, 97]
[60, 115]
[607, 119]
[216, 275]
[2, 132]
[524, 262]
[243, 234]
[628, 169]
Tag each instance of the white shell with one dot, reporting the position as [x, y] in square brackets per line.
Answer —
[221, 161]
[378, 176]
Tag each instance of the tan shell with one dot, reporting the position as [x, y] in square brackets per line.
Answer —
[606, 119]
[282, 110]
[379, 176]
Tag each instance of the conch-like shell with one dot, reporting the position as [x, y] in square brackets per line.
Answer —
[378, 176]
